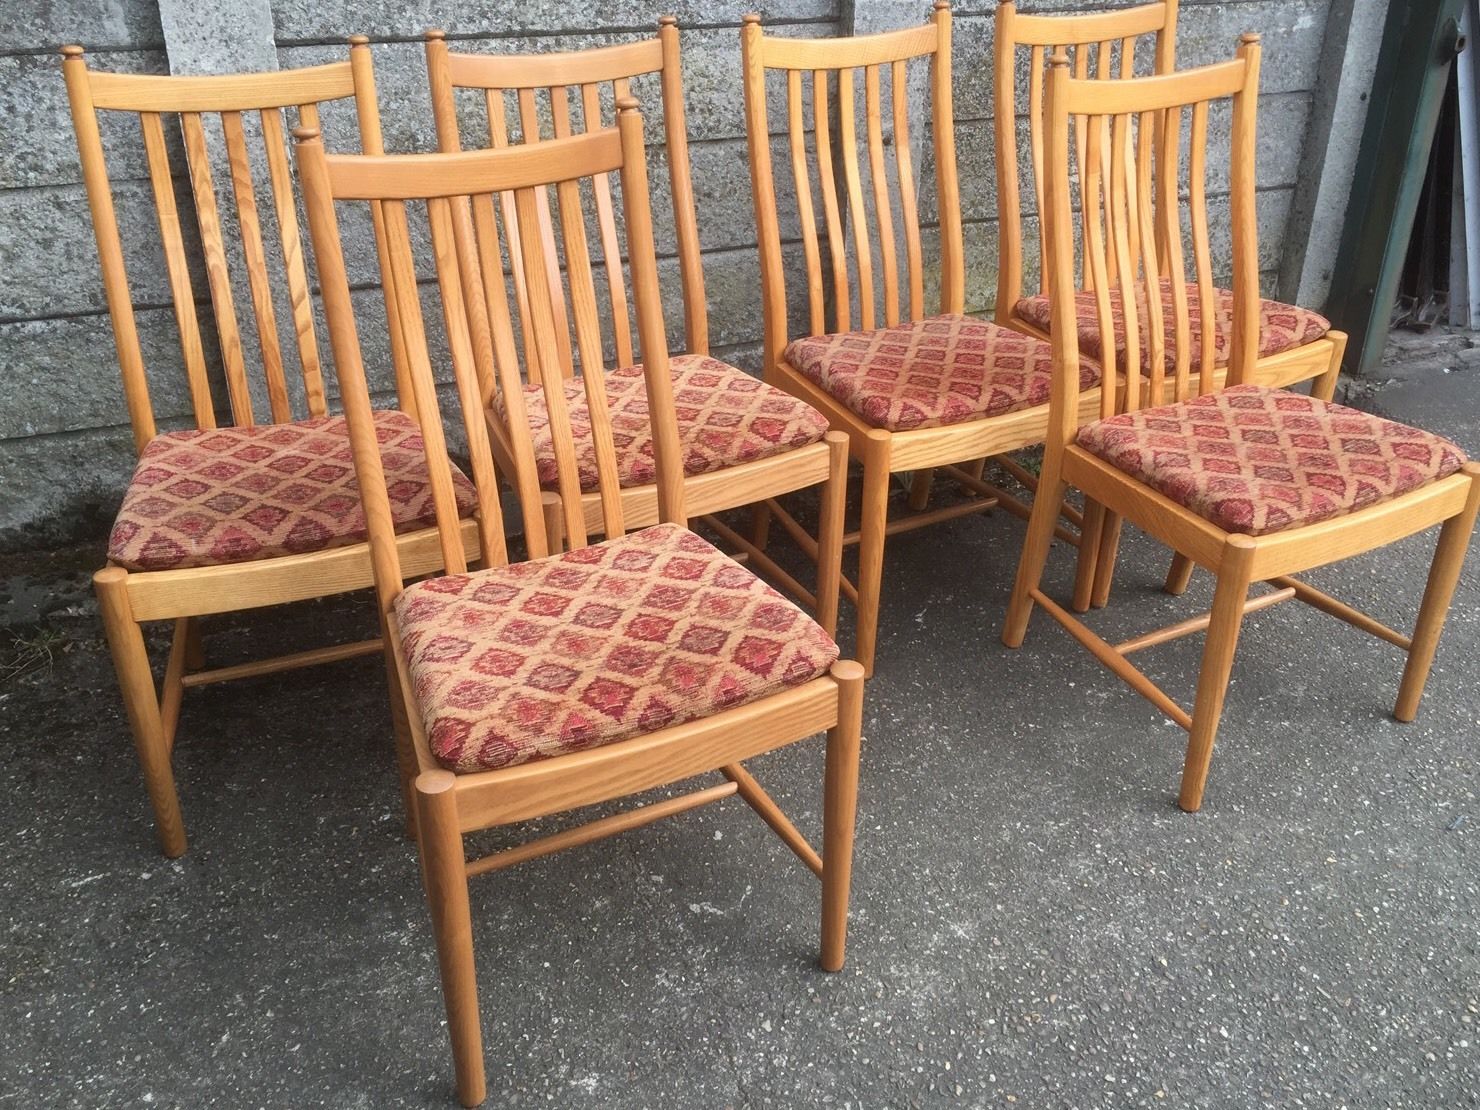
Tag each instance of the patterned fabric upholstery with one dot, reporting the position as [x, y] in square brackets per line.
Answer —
[596, 645]
[725, 418]
[1281, 326]
[939, 370]
[1255, 460]
[210, 496]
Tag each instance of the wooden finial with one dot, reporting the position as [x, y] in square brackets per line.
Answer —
[72, 51]
[434, 34]
[942, 5]
[669, 20]
[305, 134]
[359, 40]
[626, 103]
[1059, 59]
[751, 17]
[1249, 38]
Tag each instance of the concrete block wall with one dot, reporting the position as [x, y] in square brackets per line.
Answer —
[65, 448]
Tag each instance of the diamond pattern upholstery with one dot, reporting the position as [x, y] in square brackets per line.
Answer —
[725, 417]
[931, 372]
[592, 646]
[1256, 460]
[1281, 326]
[210, 496]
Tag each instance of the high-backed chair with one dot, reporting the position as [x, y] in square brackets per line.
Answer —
[1295, 344]
[922, 391]
[544, 686]
[742, 441]
[230, 513]
[1253, 482]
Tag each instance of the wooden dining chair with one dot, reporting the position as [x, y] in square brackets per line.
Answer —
[1295, 344]
[1253, 482]
[231, 513]
[742, 441]
[914, 392]
[545, 686]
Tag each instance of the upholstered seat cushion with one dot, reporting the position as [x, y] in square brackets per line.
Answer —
[1281, 326]
[1255, 460]
[210, 496]
[596, 645]
[930, 372]
[725, 417]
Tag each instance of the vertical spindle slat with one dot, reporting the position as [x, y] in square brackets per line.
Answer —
[1147, 238]
[579, 275]
[1202, 257]
[239, 165]
[1092, 219]
[540, 345]
[182, 292]
[878, 178]
[402, 279]
[498, 137]
[827, 185]
[529, 127]
[857, 217]
[300, 296]
[213, 246]
[685, 218]
[1169, 235]
[905, 169]
[1036, 77]
[806, 215]
[452, 254]
[611, 247]
[1121, 213]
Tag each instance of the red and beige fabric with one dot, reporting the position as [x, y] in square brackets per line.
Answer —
[1281, 326]
[211, 496]
[926, 373]
[1255, 460]
[586, 648]
[725, 418]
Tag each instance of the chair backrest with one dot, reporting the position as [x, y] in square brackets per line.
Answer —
[543, 86]
[810, 67]
[457, 191]
[235, 99]
[1128, 224]
[1103, 45]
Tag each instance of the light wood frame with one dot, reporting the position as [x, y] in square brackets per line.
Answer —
[456, 187]
[1236, 560]
[588, 76]
[956, 448]
[1092, 41]
[130, 598]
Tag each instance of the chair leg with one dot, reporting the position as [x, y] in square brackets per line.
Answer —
[920, 483]
[195, 648]
[1449, 557]
[1105, 560]
[839, 810]
[1324, 387]
[444, 872]
[830, 533]
[136, 681]
[760, 524]
[871, 543]
[1217, 664]
[1089, 550]
[554, 522]
[1179, 574]
[1041, 524]
[401, 735]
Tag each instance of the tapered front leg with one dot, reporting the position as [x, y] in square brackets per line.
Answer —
[444, 872]
[839, 811]
[871, 543]
[140, 700]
